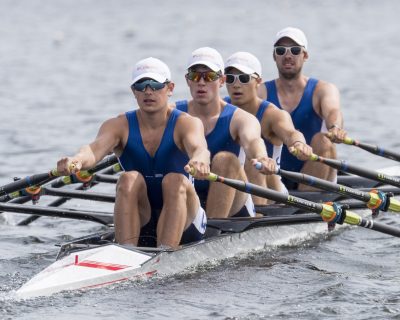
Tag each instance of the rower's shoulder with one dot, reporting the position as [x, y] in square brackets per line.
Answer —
[324, 87]
[116, 121]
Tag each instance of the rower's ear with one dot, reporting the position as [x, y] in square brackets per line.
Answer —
[171, 87]
[305, 55]
[222, 80]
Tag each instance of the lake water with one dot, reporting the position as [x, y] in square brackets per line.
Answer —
[66, 67]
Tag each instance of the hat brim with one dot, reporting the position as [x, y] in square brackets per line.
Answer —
[298, 42]
[208, 64]
[242, 68]
[155, 76]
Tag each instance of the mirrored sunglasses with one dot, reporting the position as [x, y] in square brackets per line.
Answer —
[154, 85]
[243, 78]
[295, 50]
[208, 76]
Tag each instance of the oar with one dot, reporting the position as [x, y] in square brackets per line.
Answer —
[374, 199]
[346, 167]
[330, 213]
[100, 217]
[31, 184]
[109, 161]
[373, 149]
[29, 181]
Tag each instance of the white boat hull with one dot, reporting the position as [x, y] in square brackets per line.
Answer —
[113, 263]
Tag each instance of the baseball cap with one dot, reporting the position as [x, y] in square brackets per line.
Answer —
[295, 34]
[207, 56]
[152, 68]
[245, 62]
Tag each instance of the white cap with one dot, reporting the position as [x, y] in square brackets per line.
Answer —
[208, 57]
[151, 68]
[295, 34]
[245, 62]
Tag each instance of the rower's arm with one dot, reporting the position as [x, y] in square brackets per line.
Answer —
[108, 138]
[329, 105]
[329, 110]
[246, 130]
[190, 135]
[281, 124]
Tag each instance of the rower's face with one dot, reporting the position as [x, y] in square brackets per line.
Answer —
[153, 100]
[289, 65]
[204, 85]
[242, 87]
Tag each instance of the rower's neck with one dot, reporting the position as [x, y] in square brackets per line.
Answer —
[251, 106]
[208, 110]
[153, 120]
[285, 85]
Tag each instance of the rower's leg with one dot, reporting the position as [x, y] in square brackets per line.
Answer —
[132, 207]
[323, 147]
[222, 200]
[180, 205]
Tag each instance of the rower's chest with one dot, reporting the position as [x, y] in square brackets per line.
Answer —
[289, 102]
[151, 139]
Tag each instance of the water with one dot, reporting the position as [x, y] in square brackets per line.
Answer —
[65, 68]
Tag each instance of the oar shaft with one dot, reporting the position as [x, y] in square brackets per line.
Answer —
[345, 167]
[325, 185]
[373, 149]
[270, 194]
[99, 217]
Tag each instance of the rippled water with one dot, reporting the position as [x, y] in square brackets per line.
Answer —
[65, 67]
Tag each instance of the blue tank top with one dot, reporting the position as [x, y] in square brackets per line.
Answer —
[219, 139]
[304, 118]
[168, 158]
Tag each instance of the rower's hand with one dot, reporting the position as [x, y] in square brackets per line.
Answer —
[336, 134]
[198, 169]
[67, 166]
[265, 165]
[301, 150]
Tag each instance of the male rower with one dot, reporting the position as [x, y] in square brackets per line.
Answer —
[155, 198]
[227, 129]
[314, 105]
[243, 75]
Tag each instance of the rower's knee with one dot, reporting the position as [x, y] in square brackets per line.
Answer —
[323, 146]
[130, 181]
[225, 161]
[175, 185]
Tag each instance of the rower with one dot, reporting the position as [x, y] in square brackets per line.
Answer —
[156, 203]
[243, 75]
[227, 129]
[314, 105]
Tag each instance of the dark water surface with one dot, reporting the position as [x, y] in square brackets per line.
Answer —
[65, 68]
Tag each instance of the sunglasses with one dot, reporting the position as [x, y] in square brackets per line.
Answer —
[208, 76]
[154, 85]
[243, 78]
[280, 51]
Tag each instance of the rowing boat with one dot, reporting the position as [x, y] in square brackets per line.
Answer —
[96, 260]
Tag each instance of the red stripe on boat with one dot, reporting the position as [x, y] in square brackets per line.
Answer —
[143, 275]
[101, 265]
